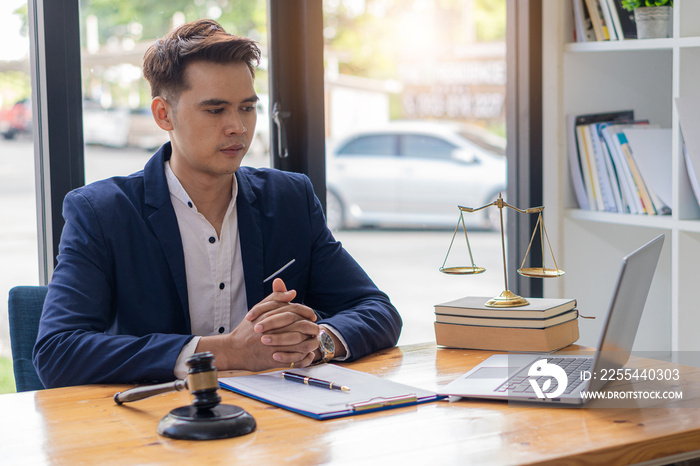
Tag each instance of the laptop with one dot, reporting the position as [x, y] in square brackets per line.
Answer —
[560, 377]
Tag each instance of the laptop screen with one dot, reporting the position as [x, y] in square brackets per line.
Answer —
[625, 312]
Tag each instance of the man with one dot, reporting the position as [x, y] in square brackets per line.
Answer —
[196, 245]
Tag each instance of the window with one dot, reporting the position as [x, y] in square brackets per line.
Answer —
[375, 58]
[414, 68]
[18, 224]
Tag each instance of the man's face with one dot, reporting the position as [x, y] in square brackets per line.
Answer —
[213, 120]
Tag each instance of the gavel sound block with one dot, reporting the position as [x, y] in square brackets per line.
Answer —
[205, 418]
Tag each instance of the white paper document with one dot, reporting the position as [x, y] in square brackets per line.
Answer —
[367, 393]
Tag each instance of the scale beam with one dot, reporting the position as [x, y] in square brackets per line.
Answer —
[507, 298]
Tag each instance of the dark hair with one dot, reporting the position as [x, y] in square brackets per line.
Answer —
[165, 61]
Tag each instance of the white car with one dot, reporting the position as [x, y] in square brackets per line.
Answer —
[415, 174]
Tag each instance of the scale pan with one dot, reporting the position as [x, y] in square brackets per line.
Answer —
[540, 272]
[462, 270]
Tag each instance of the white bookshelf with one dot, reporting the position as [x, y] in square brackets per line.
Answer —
[645, 76]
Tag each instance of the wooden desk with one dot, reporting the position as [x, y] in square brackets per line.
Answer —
[83, 425]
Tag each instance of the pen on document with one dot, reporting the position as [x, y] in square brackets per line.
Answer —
[279, 271]
[292, 377]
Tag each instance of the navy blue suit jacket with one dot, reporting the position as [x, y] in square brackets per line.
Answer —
[117, 306]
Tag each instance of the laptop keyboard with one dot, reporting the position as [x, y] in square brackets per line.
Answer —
[520, 382]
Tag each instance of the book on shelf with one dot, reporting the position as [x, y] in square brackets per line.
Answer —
[598, 20]
[580, 166]
[618, 200]
[652, 203]
[652, 149]
[507, 338]
[594, 177]
[475, 306]
[604, 178]
[607, 19]
[512, 322]
[582, 23]
[575, 165]
[628, 189]
[644, 191]
[586, 169]
[599, 26]
[632, 187]
[615, 19]
[605, 173]
[628, 24]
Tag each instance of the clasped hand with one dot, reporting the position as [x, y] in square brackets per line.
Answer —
[275, 333]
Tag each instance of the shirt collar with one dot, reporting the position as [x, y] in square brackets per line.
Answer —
[176, 189]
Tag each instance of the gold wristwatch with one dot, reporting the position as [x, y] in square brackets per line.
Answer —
[326, 346]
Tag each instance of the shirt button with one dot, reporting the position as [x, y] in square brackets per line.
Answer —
[212, 240]
[221, 286]
[189, 203]
[222, 330]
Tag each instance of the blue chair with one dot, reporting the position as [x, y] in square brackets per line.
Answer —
[24, 309]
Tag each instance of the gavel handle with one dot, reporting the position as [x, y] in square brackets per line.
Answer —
[139, 393]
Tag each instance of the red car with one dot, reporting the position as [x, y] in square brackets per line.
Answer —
[16, 120]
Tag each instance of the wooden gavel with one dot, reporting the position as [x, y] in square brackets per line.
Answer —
[206, 418]
[202, 381]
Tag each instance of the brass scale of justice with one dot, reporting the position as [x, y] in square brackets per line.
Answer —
[507, 298]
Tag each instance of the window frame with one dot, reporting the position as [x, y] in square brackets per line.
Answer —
[524, 130]
[54, 28]
[296, 84]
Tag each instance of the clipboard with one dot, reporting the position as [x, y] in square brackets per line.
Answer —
[368, 393]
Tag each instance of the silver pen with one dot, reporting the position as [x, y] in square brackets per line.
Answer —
[279, 271]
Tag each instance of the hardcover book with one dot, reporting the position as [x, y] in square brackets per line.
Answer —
[505, 338]
[501, 322]
[475, 306]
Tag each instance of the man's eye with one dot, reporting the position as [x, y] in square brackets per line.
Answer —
[248, 109]
[215, 111]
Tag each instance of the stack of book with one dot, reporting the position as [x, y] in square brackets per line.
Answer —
[598, 20]
[546, 324]
[619, 164]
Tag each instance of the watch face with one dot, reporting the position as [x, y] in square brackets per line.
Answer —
[326, 343]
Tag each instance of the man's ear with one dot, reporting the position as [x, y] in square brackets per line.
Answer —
[162, 113]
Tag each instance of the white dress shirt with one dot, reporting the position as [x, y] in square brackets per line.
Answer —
[214, 269]
[215, 280]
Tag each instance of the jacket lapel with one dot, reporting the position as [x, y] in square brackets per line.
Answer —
[160, 214]
[250, 233]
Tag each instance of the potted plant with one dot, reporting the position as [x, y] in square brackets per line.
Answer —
[653, 17]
